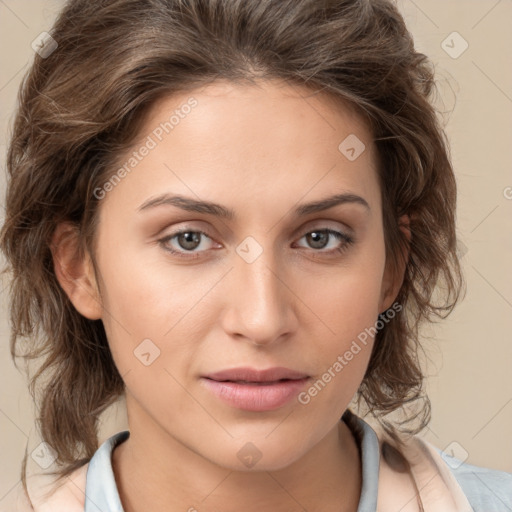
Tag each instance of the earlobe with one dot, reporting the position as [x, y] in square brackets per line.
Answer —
[74, 271]
[392, 281]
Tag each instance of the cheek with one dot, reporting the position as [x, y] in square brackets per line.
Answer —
[347, 299]
[347, 305]
[343, 344]
[144, 290]
[349, 311]
[159, 314]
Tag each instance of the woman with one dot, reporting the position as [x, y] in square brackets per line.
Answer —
[235, 215]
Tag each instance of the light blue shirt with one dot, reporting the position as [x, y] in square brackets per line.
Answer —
[487, 490]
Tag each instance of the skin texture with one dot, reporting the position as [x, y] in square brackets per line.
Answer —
[259, 150]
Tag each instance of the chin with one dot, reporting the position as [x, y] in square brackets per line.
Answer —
[259, 455]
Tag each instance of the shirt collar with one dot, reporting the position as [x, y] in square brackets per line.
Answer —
[101, 492]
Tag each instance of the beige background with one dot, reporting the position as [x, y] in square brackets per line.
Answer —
[470, 372]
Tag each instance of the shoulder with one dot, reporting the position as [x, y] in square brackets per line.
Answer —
[411, 476]
[441, 482]
[46, 495]
[488, 490]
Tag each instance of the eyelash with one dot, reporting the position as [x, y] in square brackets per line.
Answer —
[348, 241]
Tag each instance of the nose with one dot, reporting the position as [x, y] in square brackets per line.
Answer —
[260, 307]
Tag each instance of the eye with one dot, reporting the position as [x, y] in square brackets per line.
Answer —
[187, 241]
[319, 239]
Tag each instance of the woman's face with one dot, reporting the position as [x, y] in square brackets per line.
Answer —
[261, 287]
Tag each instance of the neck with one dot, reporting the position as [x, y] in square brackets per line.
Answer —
[167, 476]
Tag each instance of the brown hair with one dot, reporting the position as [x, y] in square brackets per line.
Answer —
[81, 106]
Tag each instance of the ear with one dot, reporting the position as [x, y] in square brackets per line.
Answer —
[392, 281]
[74, 271]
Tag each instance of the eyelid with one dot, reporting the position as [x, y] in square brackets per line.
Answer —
[321, 224]
[318, 224]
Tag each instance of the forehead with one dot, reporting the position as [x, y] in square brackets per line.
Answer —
[280, 109]
[272, 138]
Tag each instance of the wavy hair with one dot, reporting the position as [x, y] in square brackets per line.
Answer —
[81, 106]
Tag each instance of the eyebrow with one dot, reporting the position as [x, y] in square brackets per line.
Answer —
[210, 208]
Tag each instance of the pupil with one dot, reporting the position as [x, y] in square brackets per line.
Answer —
[316, 236]
[190, 239]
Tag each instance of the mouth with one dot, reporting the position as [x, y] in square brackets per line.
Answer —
[256, 390]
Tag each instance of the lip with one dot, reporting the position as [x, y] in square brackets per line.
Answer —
[256, 390]
[253, 375]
